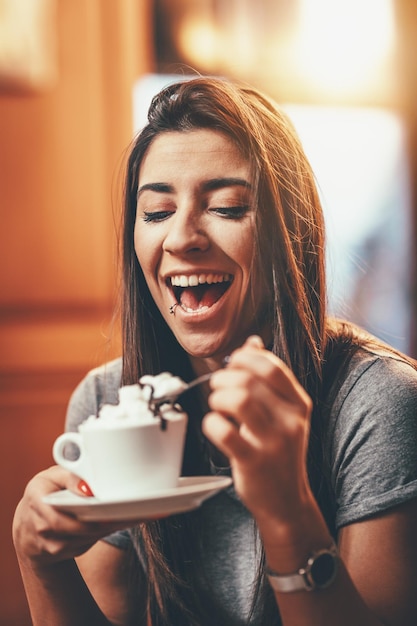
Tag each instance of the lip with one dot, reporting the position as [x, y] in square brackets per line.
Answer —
[199, 315]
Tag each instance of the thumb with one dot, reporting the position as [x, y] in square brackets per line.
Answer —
[57, 478]
[254, 341]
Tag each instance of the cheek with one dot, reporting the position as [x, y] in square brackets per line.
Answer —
[137, 241]
[250, 261]
[243, 250]
[146, 252]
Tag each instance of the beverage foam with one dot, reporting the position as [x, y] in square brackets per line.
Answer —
[135, 405]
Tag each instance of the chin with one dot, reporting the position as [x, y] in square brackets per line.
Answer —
[201, 349]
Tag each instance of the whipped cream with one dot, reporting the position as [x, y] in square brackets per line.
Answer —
[136, 403]
[164, 384]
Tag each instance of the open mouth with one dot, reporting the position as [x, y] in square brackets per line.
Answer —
[199, 292]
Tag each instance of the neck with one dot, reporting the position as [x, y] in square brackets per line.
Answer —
[204, 366]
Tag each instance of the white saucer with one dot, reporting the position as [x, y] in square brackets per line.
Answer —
[189, 494]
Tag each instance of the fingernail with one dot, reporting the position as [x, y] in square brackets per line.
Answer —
[84, 488]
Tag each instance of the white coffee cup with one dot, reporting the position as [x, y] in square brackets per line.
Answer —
[126, 461]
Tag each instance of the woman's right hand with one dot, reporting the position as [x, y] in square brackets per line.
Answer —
[41, 534]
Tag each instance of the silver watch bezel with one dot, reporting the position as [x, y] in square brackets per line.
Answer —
[303, 579]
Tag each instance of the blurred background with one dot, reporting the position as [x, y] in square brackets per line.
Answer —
[76, 77]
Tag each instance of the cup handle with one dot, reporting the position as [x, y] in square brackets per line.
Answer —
[75, 466]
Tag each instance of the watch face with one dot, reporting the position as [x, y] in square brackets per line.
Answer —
[323, 569]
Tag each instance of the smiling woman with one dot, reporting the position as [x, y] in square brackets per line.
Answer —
[314, 420]
[194, 239]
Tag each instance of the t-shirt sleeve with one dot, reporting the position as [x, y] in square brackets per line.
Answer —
[99, 386]
[373, 441]
[120, 539]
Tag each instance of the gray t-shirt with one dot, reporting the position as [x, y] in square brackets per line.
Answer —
[371, 440]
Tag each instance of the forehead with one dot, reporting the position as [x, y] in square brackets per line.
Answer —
[199, 152]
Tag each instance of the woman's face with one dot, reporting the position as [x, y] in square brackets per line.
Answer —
[194, 239]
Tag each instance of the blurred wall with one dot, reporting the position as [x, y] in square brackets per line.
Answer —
[61, 151]
[407, 67]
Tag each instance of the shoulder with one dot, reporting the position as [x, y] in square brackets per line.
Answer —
[99, 386]
[106, 375]
[372, 434]
[375, 375]
[378, 391]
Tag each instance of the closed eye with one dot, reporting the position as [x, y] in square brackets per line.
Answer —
[232, 212]
[155, 216]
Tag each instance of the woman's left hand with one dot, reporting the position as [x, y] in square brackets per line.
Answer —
[260, 419]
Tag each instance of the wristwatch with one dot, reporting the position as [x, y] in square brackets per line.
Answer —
[318, 573]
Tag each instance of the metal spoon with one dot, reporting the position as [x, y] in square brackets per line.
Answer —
[173, 397]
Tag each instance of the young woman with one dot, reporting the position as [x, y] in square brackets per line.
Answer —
[224, 256]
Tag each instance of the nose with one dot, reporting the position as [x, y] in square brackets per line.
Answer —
[186, 233]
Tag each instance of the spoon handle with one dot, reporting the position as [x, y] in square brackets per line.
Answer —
[197, 381]
[172, 398]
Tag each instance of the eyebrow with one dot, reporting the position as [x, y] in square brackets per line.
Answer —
[221, 183]
[157, 187]
[209, 185]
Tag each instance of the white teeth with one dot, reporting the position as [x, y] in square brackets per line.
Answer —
[199, 310]
[192, 281]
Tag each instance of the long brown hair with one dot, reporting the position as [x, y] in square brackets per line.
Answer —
[289, 237]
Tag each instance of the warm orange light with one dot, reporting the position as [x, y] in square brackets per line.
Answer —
[336, 49]
[198, 41]
[341, 47]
